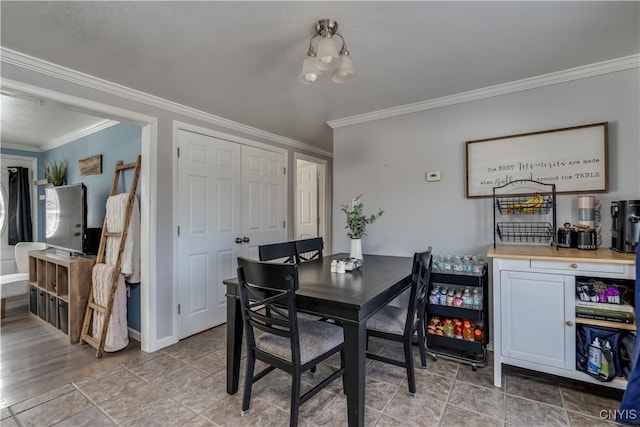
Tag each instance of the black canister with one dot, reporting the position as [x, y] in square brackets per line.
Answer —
[587, 240]
[567, 237]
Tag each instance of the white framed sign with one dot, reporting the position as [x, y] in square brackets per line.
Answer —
[575, 159]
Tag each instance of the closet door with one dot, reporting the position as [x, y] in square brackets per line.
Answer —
[209, 200]
[231, 200]
[262, 199]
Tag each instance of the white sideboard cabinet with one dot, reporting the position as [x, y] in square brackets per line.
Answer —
[534, 318]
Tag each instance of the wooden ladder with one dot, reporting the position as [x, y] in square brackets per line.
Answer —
[98, 342]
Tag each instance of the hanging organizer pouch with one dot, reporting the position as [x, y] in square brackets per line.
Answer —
[585, 336]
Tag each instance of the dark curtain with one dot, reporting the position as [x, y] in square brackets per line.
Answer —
[19, 209]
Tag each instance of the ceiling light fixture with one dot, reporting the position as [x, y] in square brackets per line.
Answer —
[328, 59]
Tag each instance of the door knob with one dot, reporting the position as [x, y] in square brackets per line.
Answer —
[238, 240]
[574, 265]
[245, 240]
[569, 323]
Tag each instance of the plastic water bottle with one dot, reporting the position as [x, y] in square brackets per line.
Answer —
[467, 299]
[443, 296]
[457, 265]
[478, 265]
[595, 357]
[434, 297]
[467, 265]
[447, 264]
[477, 298]
[437, 263]
[604, 363]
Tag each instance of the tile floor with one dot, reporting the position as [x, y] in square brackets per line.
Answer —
[184, 385]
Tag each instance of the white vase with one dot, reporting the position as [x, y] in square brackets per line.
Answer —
[356, 249]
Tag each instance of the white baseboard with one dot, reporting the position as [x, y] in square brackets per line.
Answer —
[135, 334]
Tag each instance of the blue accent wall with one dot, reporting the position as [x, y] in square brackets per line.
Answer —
[133, 307]
[119, 142]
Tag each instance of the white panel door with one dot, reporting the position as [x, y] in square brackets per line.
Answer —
[307, 201]
[262, 199]
[209, 197]
[227, 192]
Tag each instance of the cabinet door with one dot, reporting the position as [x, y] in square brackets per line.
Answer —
[537, 319]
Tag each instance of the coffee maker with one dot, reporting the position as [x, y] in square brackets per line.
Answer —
[625, 220]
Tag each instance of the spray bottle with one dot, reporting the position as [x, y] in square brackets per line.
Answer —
[604, 363]
[595, 357]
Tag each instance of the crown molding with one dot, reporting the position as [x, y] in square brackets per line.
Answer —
[22, 147]
[77, 134]
[31, 63]
[611, 66]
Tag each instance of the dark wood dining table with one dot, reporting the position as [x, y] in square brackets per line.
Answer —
[350, 298]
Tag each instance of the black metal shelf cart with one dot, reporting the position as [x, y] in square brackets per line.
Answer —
[462, 350]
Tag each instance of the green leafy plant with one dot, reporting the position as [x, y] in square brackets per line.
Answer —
[357, 221]
[56, 172]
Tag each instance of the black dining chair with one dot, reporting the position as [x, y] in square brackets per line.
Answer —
[397, 323]
[288, 343]
[284, 252]
[309, 249]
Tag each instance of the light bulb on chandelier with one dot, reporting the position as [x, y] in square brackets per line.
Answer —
[328, 58]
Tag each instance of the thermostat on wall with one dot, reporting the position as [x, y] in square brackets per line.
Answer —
[433, 176]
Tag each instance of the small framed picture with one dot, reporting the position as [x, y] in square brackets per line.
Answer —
[90, 166]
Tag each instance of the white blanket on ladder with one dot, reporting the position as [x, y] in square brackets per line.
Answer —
[117, 332]
[116, 209]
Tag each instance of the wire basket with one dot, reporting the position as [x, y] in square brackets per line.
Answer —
[525, 232]
[524, 205]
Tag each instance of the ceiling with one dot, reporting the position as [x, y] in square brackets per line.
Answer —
[38, 124]
[240, 60]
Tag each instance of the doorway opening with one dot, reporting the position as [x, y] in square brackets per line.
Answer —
[149, 129]
[7, 253]
[310, 196]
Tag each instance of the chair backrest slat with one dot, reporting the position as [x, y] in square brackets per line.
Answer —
[309, 249]
[283, 252]
[421, 272]
[267, 293]
[422, 266]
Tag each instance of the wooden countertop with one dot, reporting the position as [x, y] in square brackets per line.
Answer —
[550, 253]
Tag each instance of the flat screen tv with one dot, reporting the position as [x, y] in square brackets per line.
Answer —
[66, 217]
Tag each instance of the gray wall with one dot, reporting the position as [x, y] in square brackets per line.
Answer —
[387, 159]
